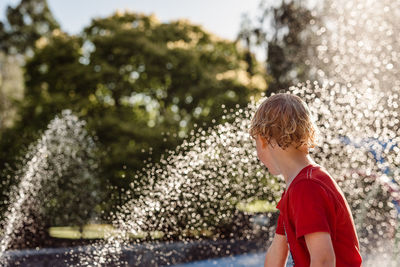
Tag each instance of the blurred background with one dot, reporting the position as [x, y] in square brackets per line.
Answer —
[142, 74]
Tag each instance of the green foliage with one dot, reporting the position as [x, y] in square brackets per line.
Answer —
[141, 85]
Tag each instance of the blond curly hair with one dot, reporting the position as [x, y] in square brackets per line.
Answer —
[286, 119]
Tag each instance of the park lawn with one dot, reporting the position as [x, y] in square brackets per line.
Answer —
[94, 231]
[256, 206]
[90, 231]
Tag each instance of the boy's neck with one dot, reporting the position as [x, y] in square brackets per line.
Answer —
[293, 163]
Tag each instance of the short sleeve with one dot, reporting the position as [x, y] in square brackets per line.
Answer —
[311, 208]
[280, 230]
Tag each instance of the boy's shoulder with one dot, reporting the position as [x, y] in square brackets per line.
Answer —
[310, 180]
[311, 174]
[315, 183]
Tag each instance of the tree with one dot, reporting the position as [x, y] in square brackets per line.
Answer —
[141, 85]
[26, 23]
[284, 31]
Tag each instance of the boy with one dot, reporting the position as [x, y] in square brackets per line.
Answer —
[315, 223]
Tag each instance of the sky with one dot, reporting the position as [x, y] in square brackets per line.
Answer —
[221, 17]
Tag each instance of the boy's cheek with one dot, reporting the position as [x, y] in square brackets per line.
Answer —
[273, 171]
[265, 161]
[268, 162]
[259, 155]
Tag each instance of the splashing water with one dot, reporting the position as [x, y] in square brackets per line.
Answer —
[197, 188]
[60, 147]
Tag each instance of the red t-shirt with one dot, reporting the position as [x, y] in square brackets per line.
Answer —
[312, 203]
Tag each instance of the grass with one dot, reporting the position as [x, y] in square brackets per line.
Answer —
[90, 231]
[95, 231]
[256, 206]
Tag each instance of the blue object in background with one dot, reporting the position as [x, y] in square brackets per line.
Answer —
[373, 145]
[245, 260]
[376, 148]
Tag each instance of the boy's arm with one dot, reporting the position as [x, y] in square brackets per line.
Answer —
[321, 250]
[277, 253]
